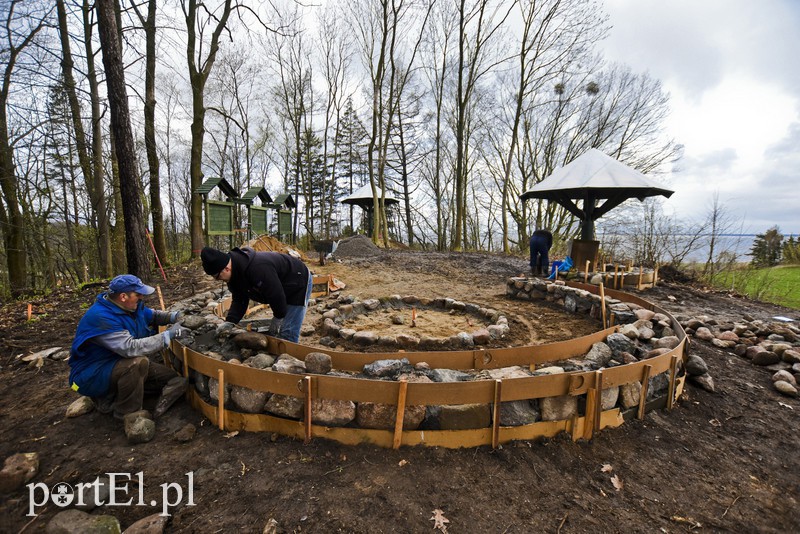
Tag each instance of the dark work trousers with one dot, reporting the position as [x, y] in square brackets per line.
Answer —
[540, 263]
[131, 378]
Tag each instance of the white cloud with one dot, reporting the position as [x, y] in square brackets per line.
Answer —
[730, 67]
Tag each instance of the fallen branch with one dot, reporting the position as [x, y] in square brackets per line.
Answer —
[730, 505]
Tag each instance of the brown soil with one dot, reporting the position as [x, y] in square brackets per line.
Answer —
[717, 462]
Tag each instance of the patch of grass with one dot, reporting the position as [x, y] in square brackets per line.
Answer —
[779, 285]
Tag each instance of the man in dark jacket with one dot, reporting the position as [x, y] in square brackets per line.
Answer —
[280, 280]
[108, 360]
[541, 241]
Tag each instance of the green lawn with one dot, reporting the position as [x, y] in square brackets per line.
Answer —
[780, 285]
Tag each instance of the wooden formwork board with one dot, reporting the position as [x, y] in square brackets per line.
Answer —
[452, 439]
[403, 395]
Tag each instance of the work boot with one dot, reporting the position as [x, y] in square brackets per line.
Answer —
[173, 391]
[104, 405]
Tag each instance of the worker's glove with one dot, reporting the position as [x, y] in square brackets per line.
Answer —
[176, 316]
[224, 327]
[275, 327]
[174, 331]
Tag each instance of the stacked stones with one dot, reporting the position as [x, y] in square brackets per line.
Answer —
[338, 310]
[772, 345]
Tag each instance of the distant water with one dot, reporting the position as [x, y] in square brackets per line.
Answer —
[738, 244]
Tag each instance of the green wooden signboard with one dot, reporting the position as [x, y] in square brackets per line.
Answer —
[258, 220]
[285, 222]
[219, 218]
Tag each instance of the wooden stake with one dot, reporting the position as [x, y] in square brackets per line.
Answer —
[184, 353]
[307, 391]
[645, 384]
[598, 413]
[586, 273]
[413, 316]
[30, 311]
[591, 401]
[612, 319]
[641, 273]
[616, 273]
[498, 385]
[401, 412]
[655, 276]
[596, 262]
[160, 297]
[221, 399]
[673, 377]
[603, 303]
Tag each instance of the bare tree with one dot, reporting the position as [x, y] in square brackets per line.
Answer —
[148, 23]
[21, 30]
[135, 244]
[199, 69]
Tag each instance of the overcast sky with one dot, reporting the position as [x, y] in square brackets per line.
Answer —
[732, 68]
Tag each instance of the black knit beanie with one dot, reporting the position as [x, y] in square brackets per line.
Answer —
[214, 260]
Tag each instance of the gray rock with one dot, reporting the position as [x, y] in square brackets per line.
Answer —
[347, 333]
[765, 358]
[289, 364]
[251, 340]
[704, 381]
[383, 416]
[630, 394]
[200, 382]
[657, 386]
[600, 354]
[704, 334]
[504, 373]
[518, 413]
[193, 322]
[260, 361]
[723, 343]
[696, 366]
[791, 356]
[669, 342]
[786, 388]
[655, 352]
[79, 522]
[449, 375]
[629, 330]
[139, 428]
[365, 339]
[248, 400]
[381, 368]
[213, 391]
[609, 397]
[550, 370]
[407, 341]
[152, 524]
[17, 470]
[186, 433]
[786, 376]
[331, 412]
[558, 408]
[318, 363]
[728, 336]
[465, 416]
[285, 406]
[481, 337]
[80, 406]
[620, 343]
[753, 350]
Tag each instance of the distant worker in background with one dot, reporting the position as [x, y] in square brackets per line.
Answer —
[541, 241]
[280, 280]
[109, 356]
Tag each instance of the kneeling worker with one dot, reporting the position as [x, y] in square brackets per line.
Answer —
[280, 280]
[108, 360]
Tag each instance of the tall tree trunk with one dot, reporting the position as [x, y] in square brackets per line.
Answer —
[106, 266]
[136, 246]
[12, 218]
[198, 74]
[149, 25]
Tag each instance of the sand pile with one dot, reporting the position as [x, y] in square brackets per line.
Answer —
[358, 246]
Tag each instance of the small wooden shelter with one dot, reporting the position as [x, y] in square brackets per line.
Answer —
[362, 197]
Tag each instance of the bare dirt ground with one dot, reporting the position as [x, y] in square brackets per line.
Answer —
[716, 463]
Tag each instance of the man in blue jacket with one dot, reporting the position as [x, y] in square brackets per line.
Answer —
[280, 280]
[109, 356]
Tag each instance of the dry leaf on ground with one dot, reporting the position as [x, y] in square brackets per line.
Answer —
[617, 482]
[439, 520]
[606, 468]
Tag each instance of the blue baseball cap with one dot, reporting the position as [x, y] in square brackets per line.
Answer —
[126, 283]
